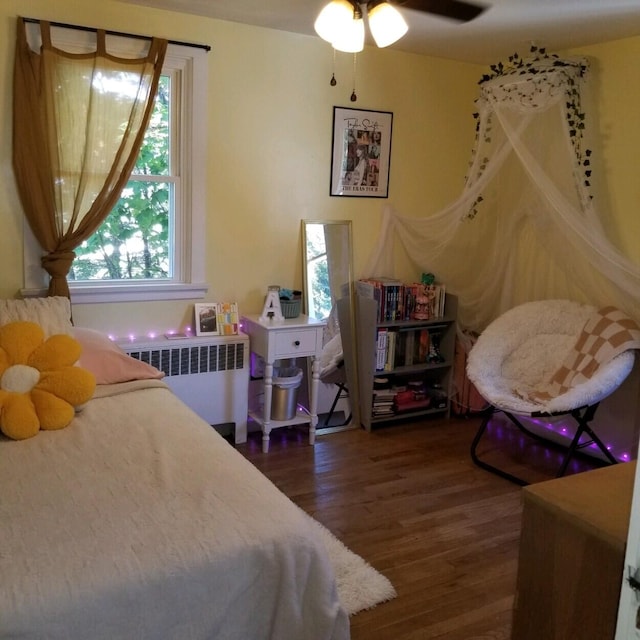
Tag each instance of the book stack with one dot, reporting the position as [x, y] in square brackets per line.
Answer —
[388, 293]
[401, 302]
[405, 347]
[383, 402]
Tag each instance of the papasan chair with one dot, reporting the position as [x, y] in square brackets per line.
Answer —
[552, 358]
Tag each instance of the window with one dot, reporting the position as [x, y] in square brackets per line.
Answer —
[136, 241]
[151, 247]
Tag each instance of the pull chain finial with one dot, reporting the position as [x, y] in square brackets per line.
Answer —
[333, 82]
[354, 97]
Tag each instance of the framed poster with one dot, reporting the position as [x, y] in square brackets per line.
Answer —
[207, 319]
[360, 153]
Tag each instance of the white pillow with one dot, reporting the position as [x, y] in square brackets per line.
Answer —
[53, 314]
[108, 362]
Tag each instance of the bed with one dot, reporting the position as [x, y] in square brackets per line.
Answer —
[138, 520]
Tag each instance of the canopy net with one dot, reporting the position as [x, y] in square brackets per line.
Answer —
[525, 226]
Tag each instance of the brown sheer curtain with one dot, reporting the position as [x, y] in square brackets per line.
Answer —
[78, 124]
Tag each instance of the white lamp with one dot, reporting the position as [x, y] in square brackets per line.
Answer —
[333, 18]
[351, 38]
[386, 23]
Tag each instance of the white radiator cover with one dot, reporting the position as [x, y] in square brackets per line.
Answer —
[209, 374]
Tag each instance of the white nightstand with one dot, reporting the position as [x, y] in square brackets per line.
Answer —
[273, 340]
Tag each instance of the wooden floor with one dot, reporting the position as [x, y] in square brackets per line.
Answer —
[408, 499]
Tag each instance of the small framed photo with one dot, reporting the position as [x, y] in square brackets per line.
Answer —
[207, 319]
[361, 153]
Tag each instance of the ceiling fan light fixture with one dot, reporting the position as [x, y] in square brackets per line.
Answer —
[334, 18]
[350, 39]
[386, 23]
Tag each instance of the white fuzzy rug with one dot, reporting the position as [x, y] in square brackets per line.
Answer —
[360, 586]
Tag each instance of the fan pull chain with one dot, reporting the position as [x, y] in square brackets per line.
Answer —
[333, 82]
[354, 97]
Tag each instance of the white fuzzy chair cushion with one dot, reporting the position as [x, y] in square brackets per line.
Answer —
[522, 349]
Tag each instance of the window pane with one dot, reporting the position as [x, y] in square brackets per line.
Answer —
[155, 151]
[134, 241]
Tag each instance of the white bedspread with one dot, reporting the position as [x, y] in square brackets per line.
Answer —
[138, 521]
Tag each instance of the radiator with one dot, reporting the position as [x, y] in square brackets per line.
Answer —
[209, 374]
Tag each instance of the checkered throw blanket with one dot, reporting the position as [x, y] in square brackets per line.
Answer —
[606, 334]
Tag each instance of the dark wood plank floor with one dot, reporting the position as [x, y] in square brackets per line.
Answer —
[408, 499]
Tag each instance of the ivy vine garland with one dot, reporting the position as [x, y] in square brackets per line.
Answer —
[546, 67]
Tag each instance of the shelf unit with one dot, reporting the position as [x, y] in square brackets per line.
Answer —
[430, 373]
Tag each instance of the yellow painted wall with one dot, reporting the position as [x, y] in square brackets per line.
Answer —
[269, 142]
[269, 139]
[612, 97]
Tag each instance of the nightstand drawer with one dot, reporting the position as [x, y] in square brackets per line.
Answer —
[299, 342]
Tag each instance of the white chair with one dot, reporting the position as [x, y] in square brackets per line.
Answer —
[517, 356]
[332, 368]
[332, 371]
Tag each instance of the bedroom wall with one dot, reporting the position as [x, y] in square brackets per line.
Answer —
[269, 135]
[612, 95]
[269, 139]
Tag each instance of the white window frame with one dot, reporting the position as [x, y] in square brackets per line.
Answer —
[187, 67]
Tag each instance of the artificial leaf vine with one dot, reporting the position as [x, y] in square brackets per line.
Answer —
[548, 76]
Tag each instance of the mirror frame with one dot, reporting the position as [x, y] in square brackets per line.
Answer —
[346, 317]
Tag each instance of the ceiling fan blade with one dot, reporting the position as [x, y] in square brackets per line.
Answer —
[454, 9]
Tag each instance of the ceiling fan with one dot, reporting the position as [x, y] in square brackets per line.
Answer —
[341, 22]
[453, 9]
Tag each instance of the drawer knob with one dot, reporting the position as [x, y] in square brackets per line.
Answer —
[296, 343]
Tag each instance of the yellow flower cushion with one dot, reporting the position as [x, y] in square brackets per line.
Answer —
[39, 384]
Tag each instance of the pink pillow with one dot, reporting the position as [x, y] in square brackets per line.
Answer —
[108, 362]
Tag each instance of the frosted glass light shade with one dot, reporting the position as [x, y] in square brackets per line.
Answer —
[351, 38]
[333, 19]
[386, 24]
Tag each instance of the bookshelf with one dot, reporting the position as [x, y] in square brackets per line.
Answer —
[412, 373]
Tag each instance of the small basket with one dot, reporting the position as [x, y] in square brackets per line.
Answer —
[290, 308]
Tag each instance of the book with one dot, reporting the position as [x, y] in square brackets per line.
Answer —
[423, 347]
[227, 318]
[443, 298]
[409, 348]
[391, 351]
[381, 348]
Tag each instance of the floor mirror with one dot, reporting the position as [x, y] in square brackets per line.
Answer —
[328, 287]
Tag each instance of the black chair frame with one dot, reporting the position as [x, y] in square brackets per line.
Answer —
[582, 415]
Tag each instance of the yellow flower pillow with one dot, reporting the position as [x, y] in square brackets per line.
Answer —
[39, 384]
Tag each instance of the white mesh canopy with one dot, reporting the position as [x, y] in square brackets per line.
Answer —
[524, 227]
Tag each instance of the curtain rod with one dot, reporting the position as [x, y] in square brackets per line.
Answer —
[77, 27]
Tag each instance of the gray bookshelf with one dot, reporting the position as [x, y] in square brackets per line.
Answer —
[436, 378]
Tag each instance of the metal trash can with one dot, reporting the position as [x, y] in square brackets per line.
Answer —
[284, 393]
